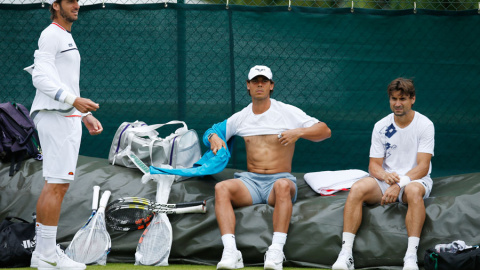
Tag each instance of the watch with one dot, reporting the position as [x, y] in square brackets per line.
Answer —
[210, 136]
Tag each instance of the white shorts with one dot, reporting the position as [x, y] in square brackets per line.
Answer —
[425, 181]
[60, 138]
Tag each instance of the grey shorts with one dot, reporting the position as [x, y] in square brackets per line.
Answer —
[426, 182]
[260, 185]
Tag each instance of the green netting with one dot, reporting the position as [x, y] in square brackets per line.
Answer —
[189, 62]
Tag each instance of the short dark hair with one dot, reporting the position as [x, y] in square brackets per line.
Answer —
[53, 14]
[405, 86]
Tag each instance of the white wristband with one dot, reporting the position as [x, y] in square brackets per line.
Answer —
[85, 114]
[70, 99]
[404, 180]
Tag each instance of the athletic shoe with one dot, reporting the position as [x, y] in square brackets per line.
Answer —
[231, 259]
[410, 262]
[274, 259]
[344, 261]
[34, 260]
[61, 262]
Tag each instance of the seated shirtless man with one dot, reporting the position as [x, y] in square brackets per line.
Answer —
[270, 129]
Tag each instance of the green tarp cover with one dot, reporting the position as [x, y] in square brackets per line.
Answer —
[314, 237]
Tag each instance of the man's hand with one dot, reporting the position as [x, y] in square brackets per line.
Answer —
[216, 143]
[92, 124]
[391, 194]
[391, 178]
[289, 137]
[85, 105]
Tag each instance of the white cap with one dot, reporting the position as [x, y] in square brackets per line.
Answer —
[260, 70]
[50, 1]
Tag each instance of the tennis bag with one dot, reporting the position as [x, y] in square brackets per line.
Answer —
[467, 259]
[17, 242]
[18, 136]
[179, 150]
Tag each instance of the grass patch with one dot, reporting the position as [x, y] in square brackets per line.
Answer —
[126, 266]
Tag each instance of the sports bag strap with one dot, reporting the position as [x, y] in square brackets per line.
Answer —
[17, 218]
[434, 257]
[145, 129]
[150, 147]
[16, 162]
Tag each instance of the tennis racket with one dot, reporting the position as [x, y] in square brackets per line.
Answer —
[96, 193]
[155, 243]
[92, 242]
[134, 213]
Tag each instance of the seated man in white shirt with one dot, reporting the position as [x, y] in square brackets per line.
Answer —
[400, 155]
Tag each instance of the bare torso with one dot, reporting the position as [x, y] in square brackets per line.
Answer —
[266, 155]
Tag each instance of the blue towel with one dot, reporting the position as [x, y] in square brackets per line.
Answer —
[209, 163]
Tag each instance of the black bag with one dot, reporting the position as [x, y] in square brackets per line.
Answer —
[18, 136]
[467, 259]
[17, 242]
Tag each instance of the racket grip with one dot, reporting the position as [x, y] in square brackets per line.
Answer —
[104, 199]
[191, 209]
[96, 193]
[194, 203]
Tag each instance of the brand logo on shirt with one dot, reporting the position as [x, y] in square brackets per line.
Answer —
[70, 45]
[388, 131]
[70, 173]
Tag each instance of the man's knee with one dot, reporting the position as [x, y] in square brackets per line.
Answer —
[221, 189]
[57, 188]
[282, 187]
[364, 189]
[414, 193]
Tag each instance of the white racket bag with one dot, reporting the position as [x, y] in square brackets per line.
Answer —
[179, 150]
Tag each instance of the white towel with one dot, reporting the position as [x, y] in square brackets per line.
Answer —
[329, 182]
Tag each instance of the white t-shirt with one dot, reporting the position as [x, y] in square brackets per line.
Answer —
[399, 146]
[57, 70]
[278, 118]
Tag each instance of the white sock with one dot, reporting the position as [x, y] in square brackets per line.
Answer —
[228, 241]
[413, 245]
[347, 241]
[278, 240]
[48, 243]
[38, 235]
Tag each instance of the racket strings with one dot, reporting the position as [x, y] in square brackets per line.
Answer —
[154, 244]
[91, 242]
[128, 217]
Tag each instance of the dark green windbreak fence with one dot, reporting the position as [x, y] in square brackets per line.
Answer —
[189, 62]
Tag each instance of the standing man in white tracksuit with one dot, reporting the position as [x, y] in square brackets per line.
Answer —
[58, 111]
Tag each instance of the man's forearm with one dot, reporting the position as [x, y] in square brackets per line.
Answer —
[418, 172]
[316, 133]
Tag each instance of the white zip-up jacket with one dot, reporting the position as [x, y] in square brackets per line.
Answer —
[56, 74]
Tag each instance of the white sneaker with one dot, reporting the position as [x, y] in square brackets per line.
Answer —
[344, 261]
[410, 262]
[231, 259]
[61, 262]
[274, 259]
[34, 260]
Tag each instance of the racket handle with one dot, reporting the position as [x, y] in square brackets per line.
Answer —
[104, 199]
[194, 203]
[191, 209]
[96, 193]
